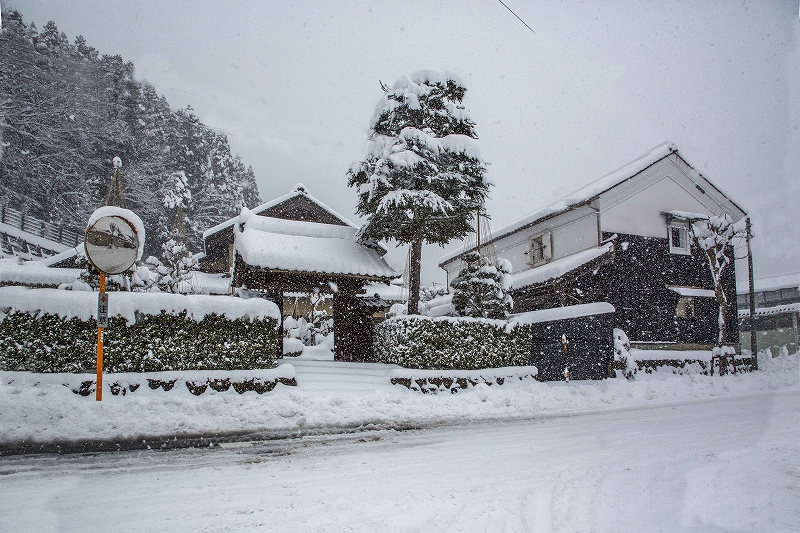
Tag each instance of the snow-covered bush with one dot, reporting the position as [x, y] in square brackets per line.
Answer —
[429, 292]
[622, 354]
[451, 343]
[311, 329]
[480, 289]
[173, 271]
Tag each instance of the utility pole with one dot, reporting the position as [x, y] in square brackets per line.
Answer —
[753, 336]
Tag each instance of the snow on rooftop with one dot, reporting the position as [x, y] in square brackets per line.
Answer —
[559, 267]
[772, 283]
[582, 195]
[389, 293]
[562, 313]
[693, 291]
[41, 242]
[61, 256]
[297, 190]
[35, 273]
[598, 186]
[83, 305]
[300, 246]
[687, 215]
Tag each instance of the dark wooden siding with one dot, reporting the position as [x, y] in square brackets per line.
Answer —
[634, 280]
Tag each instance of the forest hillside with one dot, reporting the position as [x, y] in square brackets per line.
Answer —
[66, 110]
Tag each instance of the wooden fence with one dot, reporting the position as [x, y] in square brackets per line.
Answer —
[43, 229]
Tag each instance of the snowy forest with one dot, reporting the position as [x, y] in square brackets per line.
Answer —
[66, 110]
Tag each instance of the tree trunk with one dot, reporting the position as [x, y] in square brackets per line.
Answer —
[723, 311]
[413, 276]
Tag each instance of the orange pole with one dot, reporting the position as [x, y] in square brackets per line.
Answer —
[99, 389]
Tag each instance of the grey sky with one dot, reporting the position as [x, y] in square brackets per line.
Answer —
[294, 84]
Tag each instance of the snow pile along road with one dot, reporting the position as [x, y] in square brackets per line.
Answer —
[50, 412]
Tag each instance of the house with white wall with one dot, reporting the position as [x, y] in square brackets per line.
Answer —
[625, 239]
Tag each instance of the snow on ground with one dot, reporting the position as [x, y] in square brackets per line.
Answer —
[50, 411]
[725, 464]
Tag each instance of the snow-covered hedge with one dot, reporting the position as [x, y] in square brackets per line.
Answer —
[447, 343]
[46, 330]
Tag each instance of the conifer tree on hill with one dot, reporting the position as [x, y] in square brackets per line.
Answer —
[422, 177]
[66, 110]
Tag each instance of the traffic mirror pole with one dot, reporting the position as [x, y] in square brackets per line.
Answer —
[102, 308]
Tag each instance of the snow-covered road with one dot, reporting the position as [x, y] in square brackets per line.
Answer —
[723, 464]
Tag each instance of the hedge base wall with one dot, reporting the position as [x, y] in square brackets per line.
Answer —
[451, 343]
[41, 342]
[453, 381]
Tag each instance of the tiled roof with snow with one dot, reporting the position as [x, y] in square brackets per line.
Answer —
[13, 272]
[559, 267]
[299, 246]
[390, 293]
[298, 190]
[599, 186]
[772, 283]
[582, 195]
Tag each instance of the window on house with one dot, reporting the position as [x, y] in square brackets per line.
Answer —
[685, 307]
[539, 249]
[790, 295]
[743, 301]
[679, 240]
[772, 297]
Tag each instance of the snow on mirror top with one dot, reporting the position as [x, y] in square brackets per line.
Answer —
[112, 244]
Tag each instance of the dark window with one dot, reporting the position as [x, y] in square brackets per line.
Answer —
[790, 295]
[772, 296]
[743, 301]
[685, 307]
[678, 240]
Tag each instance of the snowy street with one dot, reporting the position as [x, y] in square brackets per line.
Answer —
[721, 464]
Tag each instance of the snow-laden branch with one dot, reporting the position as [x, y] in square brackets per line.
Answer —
[410, 199]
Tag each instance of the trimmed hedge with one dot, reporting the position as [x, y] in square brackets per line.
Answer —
[451, 343]
[41, 342]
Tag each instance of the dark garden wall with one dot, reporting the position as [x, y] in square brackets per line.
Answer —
[584, 345]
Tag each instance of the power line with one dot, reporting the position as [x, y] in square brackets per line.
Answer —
[512, 12]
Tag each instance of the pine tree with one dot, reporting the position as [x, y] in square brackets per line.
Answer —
[480, 289]
[422, 177]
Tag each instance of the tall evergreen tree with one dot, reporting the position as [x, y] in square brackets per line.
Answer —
[422, 178]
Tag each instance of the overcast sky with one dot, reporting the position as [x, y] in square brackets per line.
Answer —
[598, 84]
